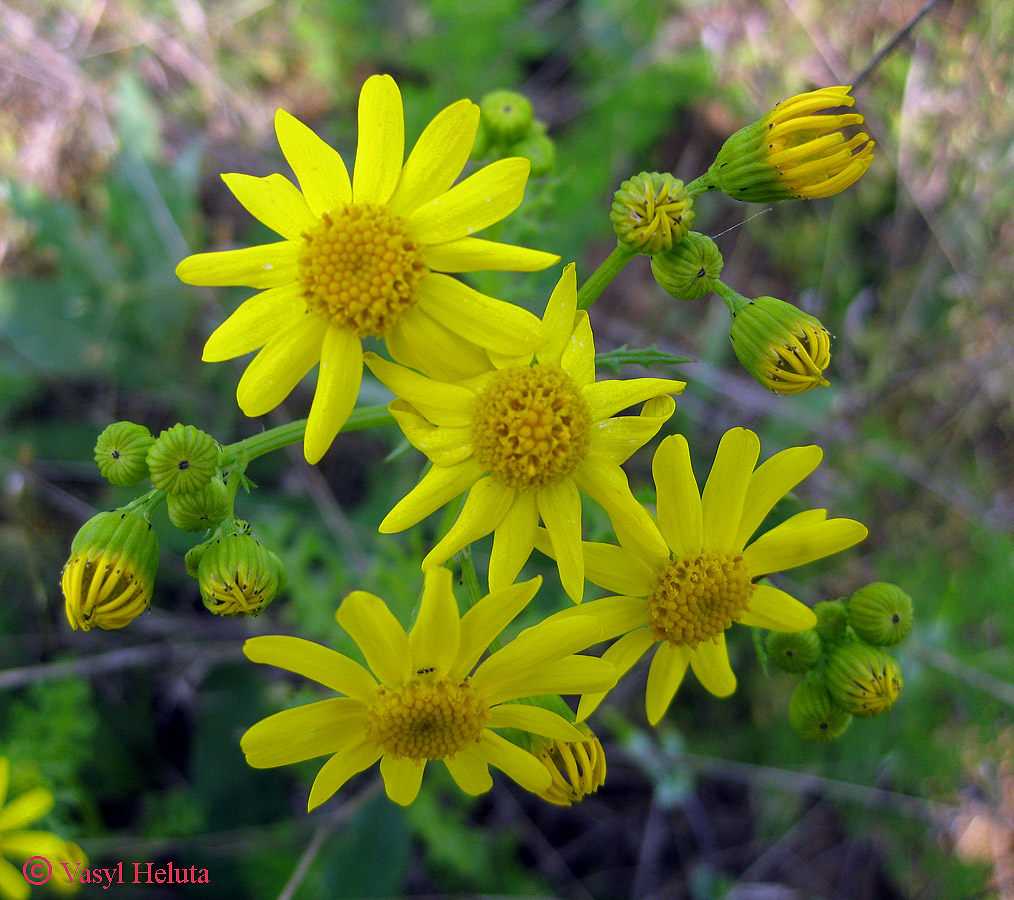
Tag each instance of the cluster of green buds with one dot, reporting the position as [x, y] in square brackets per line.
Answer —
[109, 579]
[846, 671]
[508, 127]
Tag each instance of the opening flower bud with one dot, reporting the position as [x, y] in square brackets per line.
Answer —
[813, 715]
[238, 575]
[121, 453]
[863, 679]
[794, 652]
[690, 269]
[881, 613]
[109, 578]
[651, 212]
[578, 768]
[183, 459]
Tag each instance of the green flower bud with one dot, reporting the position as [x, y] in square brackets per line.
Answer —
[109, 578]
[793, 153]
[881, 613]
[121, 453]
[238, 575]
[863, 679]
[832, 621]
[784, 348]
[813, 715]
[183, 459]
[199, 510]
[482, 144]
[507, 116]
[797, 652]
[538, 148]
[689, 270]
[651, 212]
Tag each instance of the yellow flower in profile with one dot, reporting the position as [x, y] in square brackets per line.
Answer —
[792, 152]
[524, 440]
[368, 257]
[683, 601]
[423, 701]
[20, 844]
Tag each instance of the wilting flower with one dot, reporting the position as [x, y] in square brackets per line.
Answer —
[423, 698]
[792, 152]
[578, 768]
[524, 440]
[682, 602]
[367, 257]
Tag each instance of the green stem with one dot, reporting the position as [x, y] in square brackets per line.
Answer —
[702, 184]
[611, 267]
[734, 300]
[146, 504]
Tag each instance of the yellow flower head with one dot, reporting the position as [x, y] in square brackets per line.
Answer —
[20, 844]
[682, 601]
[368, 256]
[420, 700]
[524, 438]
[794, 152]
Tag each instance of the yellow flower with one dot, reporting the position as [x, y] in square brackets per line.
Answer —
[524, 440]
[423, 701]
[683, 601]
[367, 257]
[792, 152]
[22, 845]
[578, 768]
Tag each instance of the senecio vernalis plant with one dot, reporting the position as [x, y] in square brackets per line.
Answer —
[508, 409]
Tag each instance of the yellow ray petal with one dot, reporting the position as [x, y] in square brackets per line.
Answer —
[618, 438]
[441, 403]
[281, 365]
[725, 491]
[421, 343]
[607, 398]
[313, 661]
[488, 196]
[484, 621]
[570, 675]
[558, 319]
[534, 719]
[12, 882]
[23, 844]
[622, 654]
[339, 769]
[560, 508]
[710, 662]
[381, 148]
[263, 266]
[786, 547]
[578, 358]
[443, 445]
[617, 615]
[491, 323]
[775, 610]
[668, 667]
[320, 169]
[437, 158]
[435, 637]
[513, 541]
[617, 569]
[255, 322]
[294, 735]
[5, 777]
[402, 778]
[680, 516]
[485, 507]
[771, 481]
[341, 371]
[379, 635]
[470, 773]
[438, 486]
[606, 483]
[475, 254]
[25, 809]
[510, 759]
[273, 200]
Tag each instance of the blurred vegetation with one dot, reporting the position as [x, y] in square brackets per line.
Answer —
[116, 119]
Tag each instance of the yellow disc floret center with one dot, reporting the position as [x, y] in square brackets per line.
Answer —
[360, 269]
[531, 427]
[426, 719]
[697, 598]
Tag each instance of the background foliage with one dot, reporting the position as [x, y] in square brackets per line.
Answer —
[116, 118]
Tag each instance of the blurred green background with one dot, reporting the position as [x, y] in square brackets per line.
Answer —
[116, 119]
